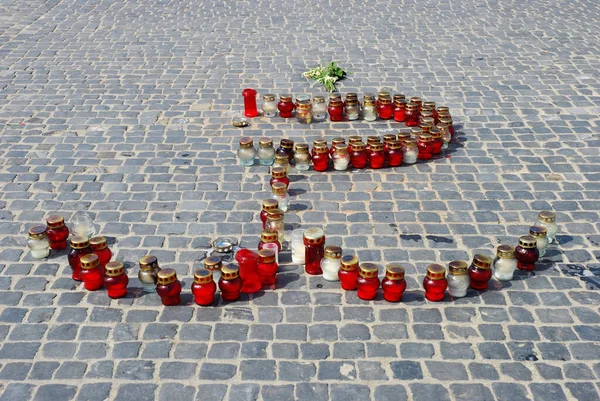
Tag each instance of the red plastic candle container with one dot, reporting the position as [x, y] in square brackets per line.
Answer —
[267, 205]
[348, 272]
[376, 155]
[382, 94]
[267, 267]
[57, 232]
[265, 238]
[336, 110]
[279, 174]
[80, 246]
[321, 158]
[230, 283]
[248, 266]
[168, 287]
[425, 147]
[358, 156]
[204, 287]
[527, 253]
[91, 272]
[352, 139]
[286, 148]
[314, 250]
[480, 272]
[394, 155]
[436, 141]
[250, 109]
[435, 282]
[285, 105]
[399, 109]
[393, 284]
[368, 282]
[418, 101]
[115, 280]
[100, 248]
[213, 263]
[385, 110]
[334, 142]
[411, 115]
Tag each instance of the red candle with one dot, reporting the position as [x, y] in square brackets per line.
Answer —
[387, 138]
[285, 105]
[115, 280]
[80, 246]
[385, 110]
[381, 95]
[394, 156]
[91, 272]
[411, 115]
[418, 101]
[250, 109]
[57, 232]
[248, 266]
[267, 267]
[376, 155]
[393, 284]
[321, 158]
[358, 156]
[267, 205]
[425, 147]
[348, 272]
[318, 142]
[100, 248]
[336, 110]
[435, 282]
[480, 272]
[399, 108]
[334, 142]
[268, 237]
[168, 287]
[279, 174]
[368, 282]
[314, 250]
[230, 283]
[436, 141]
[527, 253]
[204, 287]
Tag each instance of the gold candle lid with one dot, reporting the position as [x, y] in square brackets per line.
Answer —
[358, 146]
[416, 131]
[301, 148]
[354, 139]
[333, 252]
[349, 263]
[98, 243]
[166, 276]
[279, 172]
[320, 148]
[55, 221]
[269, 97]
[373, 139]
[341, 148]
[368, 270]
[435, 133]
[429, 105]
[446, 120]
[389, 137]
[148, 262]
[279, 188]
[546, 217]
[436, 272]
[266, 256]
[411, 106]
[352, 95]
[425, 138]
[268, 236]
[443, 109]
[335, 102]
[402, 136]
[79, 242]
[269, 204]
[369, 96]
[394, 145]
[394, 271]
[377, 146]
[410, 142]
[457, 268]
[89, 261]
[203, 276]
[286, 144]
[314, 235]
[213, 263]
[385, 100]
[320, 141]
[482, 261]
[114, 269]
[246, 142]
[538, 232]
[398, 97]
[230, 272]
[275, 214]
[527, 241]
[282, 159]
[265, 142]
[37, 232]
[505, 252]
[384, 93]
[285, 97]
[319, 99]
[416, 100]
[338, 141]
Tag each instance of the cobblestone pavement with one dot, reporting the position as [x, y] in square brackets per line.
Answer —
[123, 108]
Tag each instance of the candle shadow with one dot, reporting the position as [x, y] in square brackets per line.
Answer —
[110, 241]
[296, 191]
[60, 253]
[296, 177]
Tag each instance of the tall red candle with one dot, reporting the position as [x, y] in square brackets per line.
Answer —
[230, 283]
[314, 250]
[91, 272]
[435, 282]
[267, 267]
[480, 272]
[368, 282]
[168, 287]
[204, 287]
[115, 280]
[411, 115]
[393, 284]
[250, 109]
[248, 266]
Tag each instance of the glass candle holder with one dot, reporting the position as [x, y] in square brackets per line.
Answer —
[411, 115]
[480, 272]
[541, 240]
[436, 141]
[321, 158]
[367, 282]
[418, 101]
[248, 266]
[319, 108]
[446, 136]
[168, 287]
[204, 287]
[282, 161]
[304, 113]
[393, 284]
[246, 152]
[38, 242]
[526, 253]
[302, 156]
[57, 232]
[458, 279]
[335, 142]
[272, 246]
[280, 194]
[279, 174]
[425, 147]
[394, 154]
[410, 151]
[266, 152]
[269, 105]
[267, 205]
[297, 245]
[267, 267]
[399, 109]
[352, 110]
[148, 273]
[82, 225]
[318, 142]
[447, 120]
[435, 282]
[80, 247]
[314, 250]
[505, 263]
[376, 155]
[230, 283]
[341, 158]
[276, 223]
[100, 248]
[358, 156]
[286, 147]
[348, 273]
[369, 110]
[545, 219]
[385, 110]
[250, 109]
[416, 132]
[330, 264]
[92, 274]
[115, 280]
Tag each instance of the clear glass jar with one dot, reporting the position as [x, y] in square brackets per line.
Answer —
[446, 136]
[341, 158]
[148, 273]
[505, 263]
[369, 110]
[269, 105]
[82, 225]
[246, 153]
[38, 242]
[302, 156]
[548, 221]
[410, 151]
[458, 280]
[304, 113]
[266, 152]
[281, 161]
[336, 142]
[319, 108]
[280, 194]
[276, 223]
[541, 239]
[330, 264]
[352, 109]
[297, 246]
